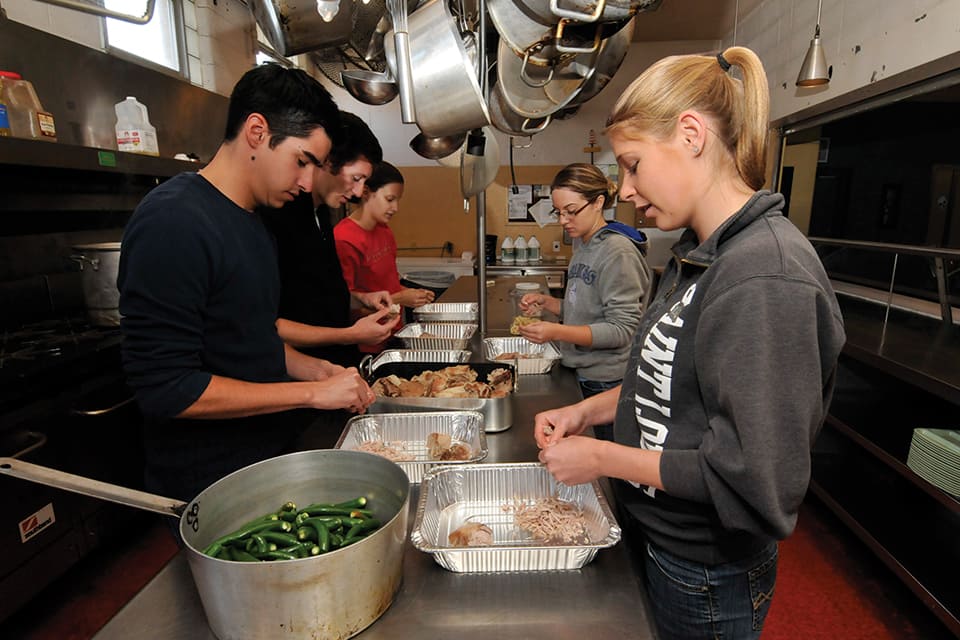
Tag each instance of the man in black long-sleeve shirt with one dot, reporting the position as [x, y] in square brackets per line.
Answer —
[199, 291]
[315, 303]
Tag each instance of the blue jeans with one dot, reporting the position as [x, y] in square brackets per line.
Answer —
[591, 388]
[691, 600]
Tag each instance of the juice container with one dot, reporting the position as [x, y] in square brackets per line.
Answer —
[25, 115]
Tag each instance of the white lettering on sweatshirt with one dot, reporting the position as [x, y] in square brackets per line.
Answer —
[656, 368]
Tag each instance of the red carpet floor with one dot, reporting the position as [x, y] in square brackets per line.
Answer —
[830, 587]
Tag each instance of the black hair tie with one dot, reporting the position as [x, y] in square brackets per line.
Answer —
[723, 62]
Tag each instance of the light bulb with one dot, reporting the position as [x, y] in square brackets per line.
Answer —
[328, 9]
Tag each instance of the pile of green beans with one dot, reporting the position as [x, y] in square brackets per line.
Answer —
[291, 533]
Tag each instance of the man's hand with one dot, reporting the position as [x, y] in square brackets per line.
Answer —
[376, 327]
[373, 299]
[344, 390]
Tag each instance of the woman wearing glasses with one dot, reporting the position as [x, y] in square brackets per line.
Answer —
[605, 284]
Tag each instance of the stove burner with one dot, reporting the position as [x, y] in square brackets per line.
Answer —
[48, 339]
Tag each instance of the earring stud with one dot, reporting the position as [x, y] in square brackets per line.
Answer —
[696, 149]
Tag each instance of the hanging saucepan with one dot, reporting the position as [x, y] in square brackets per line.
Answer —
[612, 52]
[479, 162]
[533, 92]
[504, 119]
[446, 92]
[549, 12]
[333, 595]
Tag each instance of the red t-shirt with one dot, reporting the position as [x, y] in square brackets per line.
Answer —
[369, 262]
[368, 258]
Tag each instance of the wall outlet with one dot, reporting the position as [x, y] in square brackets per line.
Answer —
[556, 246]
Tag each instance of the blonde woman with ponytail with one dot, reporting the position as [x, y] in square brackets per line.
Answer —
[732, 366]
[606, 280]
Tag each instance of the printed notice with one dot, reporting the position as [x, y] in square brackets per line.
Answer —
[37, 522]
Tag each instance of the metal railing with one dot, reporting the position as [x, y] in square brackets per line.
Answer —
[939, 256]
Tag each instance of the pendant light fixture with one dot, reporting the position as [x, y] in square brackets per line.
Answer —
[814, 72]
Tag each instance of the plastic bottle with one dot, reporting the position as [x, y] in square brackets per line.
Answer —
[507, 252]
[25, 114]
[533, 249]
[4, 116]
[134, 131]
[520, 245]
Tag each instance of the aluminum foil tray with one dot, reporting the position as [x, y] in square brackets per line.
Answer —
[409, 431]
[370, 363]
[497, 412]
[447, 312]
[451, 496]
[546, 355]
[436, 335]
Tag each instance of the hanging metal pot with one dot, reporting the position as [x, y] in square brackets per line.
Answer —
[535, 92]
[479, 162]
[613, 50]
[549, 12]
[446, 91]
[505, 119]
[296, 27]
[99, 264]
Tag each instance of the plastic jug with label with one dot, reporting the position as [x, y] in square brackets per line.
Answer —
[533, 249]
[25, 114]
[520, 245]
[507, 252]
[134, 131]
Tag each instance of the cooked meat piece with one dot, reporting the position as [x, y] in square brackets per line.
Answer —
[516, 355]
[499, 377]
[412, 389]
[456, 392]
[437, 443]
[471, 534]
[457, 451]
[388, 386]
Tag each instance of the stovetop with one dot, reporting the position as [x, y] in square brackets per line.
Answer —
[42, 359]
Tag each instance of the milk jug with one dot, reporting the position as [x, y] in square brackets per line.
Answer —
[520, 246]
[533, 249]
[134, 131]
[507, 255]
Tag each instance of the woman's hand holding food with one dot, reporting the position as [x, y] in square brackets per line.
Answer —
[376, 327]
[539, 332]
[414, 297]
[549, 427]
[532, 304]
[574, 460]
[345, 390]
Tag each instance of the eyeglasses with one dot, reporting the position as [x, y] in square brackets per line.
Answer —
[571, 214]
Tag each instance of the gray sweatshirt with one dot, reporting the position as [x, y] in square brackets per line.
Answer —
[605, 283]
[730, 377]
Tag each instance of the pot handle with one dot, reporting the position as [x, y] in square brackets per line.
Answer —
[401, 43]
[80, 259]
[89, 487]
[527, 80]
[562, 48]
[366, 367]
[577, 15]
[526, 128]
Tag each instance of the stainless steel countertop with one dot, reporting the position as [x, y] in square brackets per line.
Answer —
[605, 599]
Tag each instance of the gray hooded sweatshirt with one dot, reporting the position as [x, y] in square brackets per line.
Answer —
[730, 377]
[605, 283]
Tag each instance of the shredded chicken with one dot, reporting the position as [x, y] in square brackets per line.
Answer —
[520, 321]
[516, 355]
[458, 381]
[396, 451]
[550, 520]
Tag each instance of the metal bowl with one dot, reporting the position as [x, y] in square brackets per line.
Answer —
[436, 148]
[369, 87]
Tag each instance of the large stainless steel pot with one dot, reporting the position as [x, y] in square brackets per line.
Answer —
[549, 12]
[99, 264]
[335, 595]
[446, 91]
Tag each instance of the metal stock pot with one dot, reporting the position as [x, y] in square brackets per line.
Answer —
[332, 596]
[99, 265]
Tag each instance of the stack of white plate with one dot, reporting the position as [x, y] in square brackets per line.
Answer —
[935, 457]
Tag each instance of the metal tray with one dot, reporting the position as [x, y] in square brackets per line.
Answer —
[371, 362]
[497, 412]
[547, 354]
[410, 430]
[447, 312]
[451, 496]
[442, 335]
